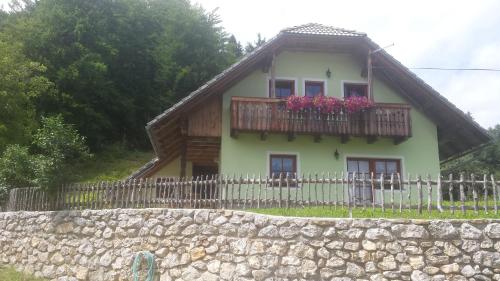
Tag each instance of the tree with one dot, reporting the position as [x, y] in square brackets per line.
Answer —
[59, 150]
[17, 167]
[21, 82]
[485, 160]
[252, 46]
[117, 63]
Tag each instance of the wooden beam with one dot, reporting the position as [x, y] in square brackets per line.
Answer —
[318, 138]
[263, 136]
[291, 136]
[371, 139]
[344, 138]
[399, 140]
[234, 133]
[183, 158]
[273, 76]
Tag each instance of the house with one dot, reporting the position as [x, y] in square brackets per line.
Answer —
[238, 122]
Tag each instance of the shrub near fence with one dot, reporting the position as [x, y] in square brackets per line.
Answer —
[348, 190]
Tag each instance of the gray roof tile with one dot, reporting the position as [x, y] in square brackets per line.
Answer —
[319, 29]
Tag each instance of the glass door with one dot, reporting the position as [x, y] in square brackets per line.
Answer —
[362, 192]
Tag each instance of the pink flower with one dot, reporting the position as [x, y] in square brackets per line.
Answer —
[296, 103]
[355, 104]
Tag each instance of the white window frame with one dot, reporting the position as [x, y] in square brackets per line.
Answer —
[295, 79]
[343, 82]
[382, 157]
[325, 85]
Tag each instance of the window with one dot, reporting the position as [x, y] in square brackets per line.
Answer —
[355, 90]
[375, 166]
[283, 88]
[314, 88]
[283, 164]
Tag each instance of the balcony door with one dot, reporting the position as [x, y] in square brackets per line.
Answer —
[368, 166]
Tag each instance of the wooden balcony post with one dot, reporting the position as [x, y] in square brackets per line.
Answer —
[273, 76]
[369, 75]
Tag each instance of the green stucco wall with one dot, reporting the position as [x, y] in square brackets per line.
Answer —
[249, 154]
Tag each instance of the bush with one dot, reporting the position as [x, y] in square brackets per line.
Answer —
[17, 167]
[60, 149]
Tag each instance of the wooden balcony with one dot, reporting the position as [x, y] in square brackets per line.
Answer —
[266, 115]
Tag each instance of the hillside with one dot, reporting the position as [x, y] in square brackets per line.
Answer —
[114, 163]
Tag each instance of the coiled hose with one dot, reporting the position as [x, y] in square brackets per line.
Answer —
[150, 260]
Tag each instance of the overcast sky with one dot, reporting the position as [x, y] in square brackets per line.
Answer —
[454, 34]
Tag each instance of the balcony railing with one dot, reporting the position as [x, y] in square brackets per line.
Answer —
[268, 115]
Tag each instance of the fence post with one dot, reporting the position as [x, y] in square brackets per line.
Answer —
[474, 193]
[429, 193]
[392, 192]
[352, 195]
[297, 186]
[420, 194]
[372, 181]
[288, 190]
[382, 191]
[485, 186]
[336, 186]
[342, 184]
[494, 187]
[247, 187]
[439, 194]
[400, 193]
[462, 193]
[280, 189]
[252, 198]
[363, 191]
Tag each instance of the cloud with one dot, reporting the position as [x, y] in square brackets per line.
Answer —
[426, 34]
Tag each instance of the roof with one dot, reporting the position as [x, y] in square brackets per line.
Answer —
[460, 132]
[319, 29]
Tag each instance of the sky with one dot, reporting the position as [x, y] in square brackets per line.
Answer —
[450, 34]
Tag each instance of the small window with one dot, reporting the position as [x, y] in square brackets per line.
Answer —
[314, 88]
[283, 88]
[282, 165]
[355, 90]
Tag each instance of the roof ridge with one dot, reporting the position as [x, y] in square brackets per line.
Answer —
[321, 29]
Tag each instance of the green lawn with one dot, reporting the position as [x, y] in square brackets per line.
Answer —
[9, 274]
[113, 164]
[369, 213]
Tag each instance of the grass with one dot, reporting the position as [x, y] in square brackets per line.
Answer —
[10, 274]
[331, 212]
[115, 163]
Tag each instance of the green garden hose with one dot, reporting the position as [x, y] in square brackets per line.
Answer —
[150, 260]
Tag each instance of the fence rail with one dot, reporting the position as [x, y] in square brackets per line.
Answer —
[348, 190]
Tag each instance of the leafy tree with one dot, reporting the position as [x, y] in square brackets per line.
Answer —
[233, 49]
[59, 149]
[17, 167]
[118, 63]
[252, 46]
[485, 160]
[21, 83]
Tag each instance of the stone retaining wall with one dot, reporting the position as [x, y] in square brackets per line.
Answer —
[235, 245]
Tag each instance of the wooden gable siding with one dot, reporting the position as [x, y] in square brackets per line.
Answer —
[206, 119]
